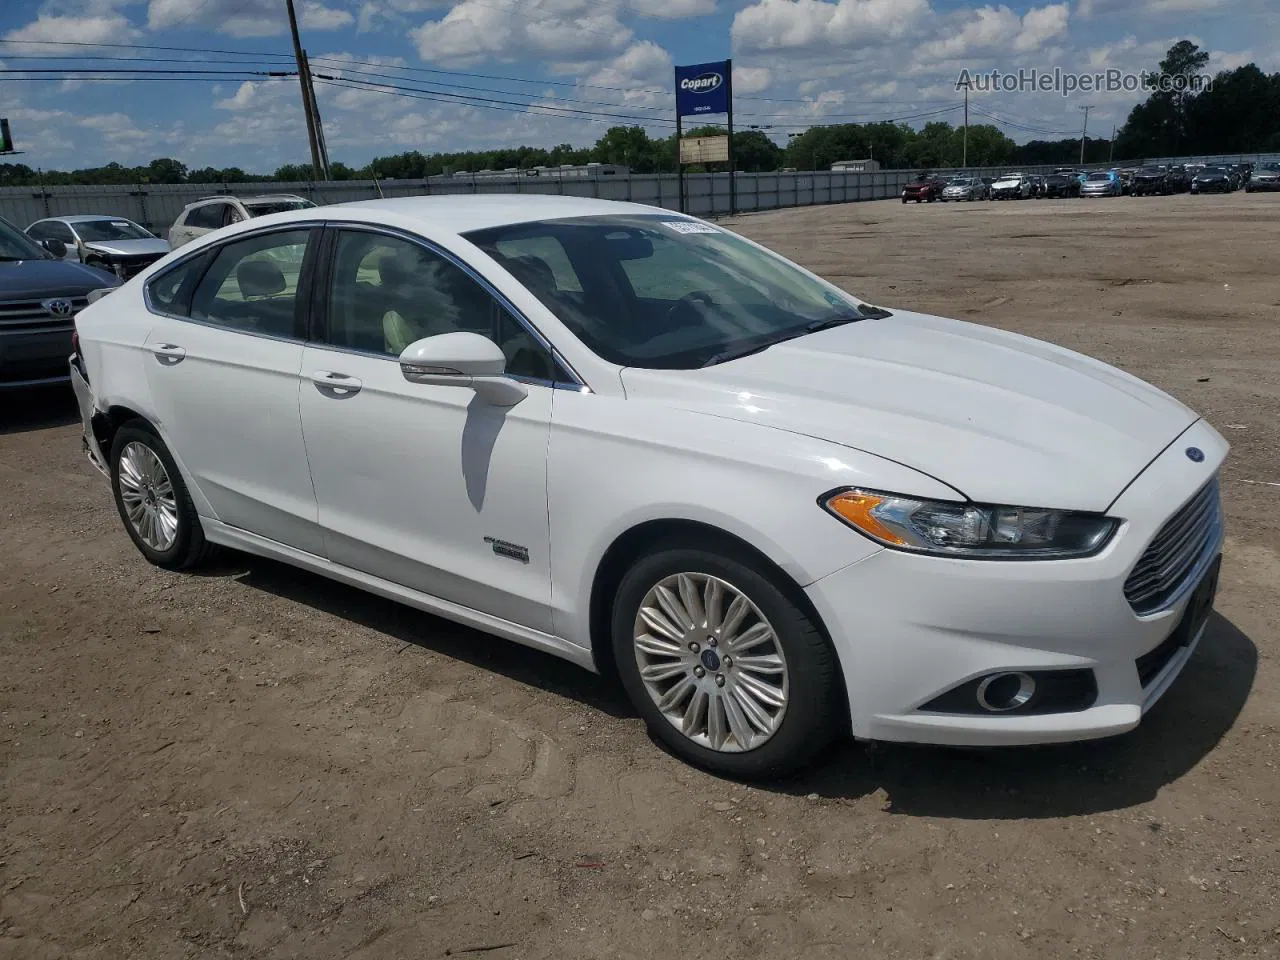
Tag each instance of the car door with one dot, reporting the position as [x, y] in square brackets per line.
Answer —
[429, 487]
[225, 354]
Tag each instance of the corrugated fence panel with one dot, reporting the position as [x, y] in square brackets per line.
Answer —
[158, 205]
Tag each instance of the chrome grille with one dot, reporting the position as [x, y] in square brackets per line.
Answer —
[1177, 554]
[28, 316]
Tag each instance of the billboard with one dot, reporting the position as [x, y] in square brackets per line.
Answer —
[704, 150]
[703, 88]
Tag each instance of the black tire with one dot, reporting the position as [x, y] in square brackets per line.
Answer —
[189, 548]
[815, 713]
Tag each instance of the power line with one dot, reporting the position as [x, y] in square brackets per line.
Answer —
[76, 72]
[147, 46]
[459, 99]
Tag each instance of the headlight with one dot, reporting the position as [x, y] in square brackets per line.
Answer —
[970, 530]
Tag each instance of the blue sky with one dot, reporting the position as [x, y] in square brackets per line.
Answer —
[563, 70]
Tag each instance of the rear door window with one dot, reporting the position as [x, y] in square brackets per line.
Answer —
[252, 285]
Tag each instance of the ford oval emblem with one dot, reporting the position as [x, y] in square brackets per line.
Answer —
[1195, 454]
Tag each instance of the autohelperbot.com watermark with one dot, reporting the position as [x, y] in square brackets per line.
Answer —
[1067, 82]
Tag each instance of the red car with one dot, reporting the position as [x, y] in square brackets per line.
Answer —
[923, 189]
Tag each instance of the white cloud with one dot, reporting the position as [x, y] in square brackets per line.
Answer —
[988, 31]
[100, 28]
[555, 29]
[750, 79]
[241, 19]
[673, 9]
[797, 24]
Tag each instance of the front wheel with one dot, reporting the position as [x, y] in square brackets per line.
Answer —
[153, 500]
[726, 669]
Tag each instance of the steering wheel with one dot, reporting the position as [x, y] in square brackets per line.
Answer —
[688, 300]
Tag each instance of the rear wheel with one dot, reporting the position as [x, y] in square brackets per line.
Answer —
[153, 500]
[725, 668]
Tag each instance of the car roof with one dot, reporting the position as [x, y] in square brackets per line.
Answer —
[467, 212]
[255, 198]
[81, 218]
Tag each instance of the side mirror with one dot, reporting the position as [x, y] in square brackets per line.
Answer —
[462, 360]
[55, 247]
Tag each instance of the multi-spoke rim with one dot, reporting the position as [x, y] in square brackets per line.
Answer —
[711, 662]
[148, 496]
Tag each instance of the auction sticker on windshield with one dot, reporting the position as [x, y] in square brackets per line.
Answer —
[689, 226]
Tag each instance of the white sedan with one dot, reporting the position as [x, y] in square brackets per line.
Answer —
[638, 441]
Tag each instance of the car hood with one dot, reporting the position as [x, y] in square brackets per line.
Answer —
[30, 279]
[1000, 417]
[130, 248]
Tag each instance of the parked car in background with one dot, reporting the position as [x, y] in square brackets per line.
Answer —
[1063, 183]
[40, 293]
[114, 244]
[1102, 183]
[1214, 180]
[1179, 179]
[1037, 185]
[1264, 178]
[1126, 175]
[1151, 180]
[1245, 170]
[926, 188]
[965, 188]
[212, 213]
[1011, 186]
[640, 442]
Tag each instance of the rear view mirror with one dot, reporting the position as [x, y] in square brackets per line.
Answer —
[55, 247]
[462, 360]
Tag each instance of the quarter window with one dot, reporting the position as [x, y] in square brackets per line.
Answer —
[171, 291]
[252, 284]
[386, 293]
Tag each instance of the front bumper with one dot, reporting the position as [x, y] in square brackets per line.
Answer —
[911, 628]
[33, 358]
[1254, 186]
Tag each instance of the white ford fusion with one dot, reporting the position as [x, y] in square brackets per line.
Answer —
[645, 444]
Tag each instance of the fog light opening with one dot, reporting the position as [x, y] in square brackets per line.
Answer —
[1002, 692]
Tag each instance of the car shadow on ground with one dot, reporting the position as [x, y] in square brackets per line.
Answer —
[1057, 780]
[973, 784]
[37, 408]
[522, 664]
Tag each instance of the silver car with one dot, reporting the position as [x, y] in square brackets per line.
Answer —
[113, 244]
[1101, 185]
[965, 188]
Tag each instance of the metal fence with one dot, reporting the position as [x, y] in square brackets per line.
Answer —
[156, 206]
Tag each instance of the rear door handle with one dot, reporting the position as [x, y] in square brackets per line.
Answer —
[169, 353]
[336, 386]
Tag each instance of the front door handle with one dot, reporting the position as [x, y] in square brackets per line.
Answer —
[169, 353]
[336, 386]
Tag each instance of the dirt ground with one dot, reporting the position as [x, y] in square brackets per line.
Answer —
[256, 762]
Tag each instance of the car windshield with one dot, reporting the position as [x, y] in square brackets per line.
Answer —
[1152, 170]
[16, 245]
[664, 292]
[1270, 167]
[1213, 170]
[1096, 177]
[260, 208]
[960, 182]
[94, 231]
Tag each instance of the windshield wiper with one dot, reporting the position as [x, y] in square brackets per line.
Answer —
[864, 312]
[5, 258]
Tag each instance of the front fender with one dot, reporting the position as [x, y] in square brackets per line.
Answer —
[614, 464]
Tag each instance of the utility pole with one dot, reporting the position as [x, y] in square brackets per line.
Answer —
[1085, 130]
[1112, 154]
[315, 117]
[308, 97]
[964, 161]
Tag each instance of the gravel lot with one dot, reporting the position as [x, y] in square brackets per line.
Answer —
[254, 762]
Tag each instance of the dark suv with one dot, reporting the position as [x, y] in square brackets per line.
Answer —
[39, 297]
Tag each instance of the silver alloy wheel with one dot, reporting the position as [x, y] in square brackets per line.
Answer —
[148, 496]
[711, 662]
